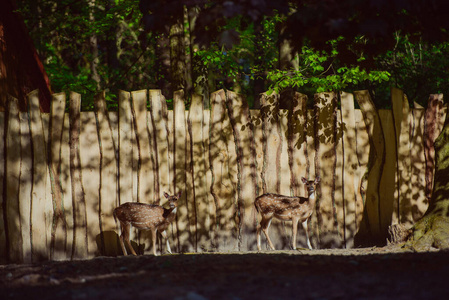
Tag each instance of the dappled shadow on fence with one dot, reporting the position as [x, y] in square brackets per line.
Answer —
[58, 203]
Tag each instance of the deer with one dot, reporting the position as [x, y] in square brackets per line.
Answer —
[145, 217]
[286, 208]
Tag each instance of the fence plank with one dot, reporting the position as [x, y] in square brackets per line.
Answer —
[159, 121]
[256, 122]
[90, 164]
[419, 204]
[374, 171]
[401, 117]
[222, 188]
[108, 177]
[271, 140]
[145, 177]
[350, 166]
[58, 235]
[173, 228]
[67, 189]
[285, 175]
[246, 162]
[203, 213]
[362, 157]
[12, 164]
[297, 144]
[79, 246]
[325, 160]
[311, 173]
[272, 150]
[339, 205]
[190, 184]
[431, 131]
[3, 249]
[26, 183]
[184, 229]
[388, 182]
[41, 206]
[125, 147]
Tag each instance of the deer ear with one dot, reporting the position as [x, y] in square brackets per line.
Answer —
[179, 194]
[303, 180]
[166, 195]
[318, 179]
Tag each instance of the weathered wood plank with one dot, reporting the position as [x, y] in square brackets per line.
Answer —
[79, 245]
[3, 250]
[388, 182]
[339, 205]
[108, 179]
[143, 141]
[362, 141]
[58, 234]
[350, 166]
[67, 189]
[26, 183]
[419, 203]
[325, 160]
[246, 161]
[159, 121]
[297, 144]
[374, 172]
[173, 229]
[125, 147]
[12, 164]
[432, 120]
[222, 188]
[185, 231]
[203, 216]
[311, 173]
[90, 164]
[41, 204]
[285, 175]
[211, 205]
[190, 184]
[272, 143]
[401, 111]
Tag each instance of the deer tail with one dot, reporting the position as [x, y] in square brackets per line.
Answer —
[257, 207]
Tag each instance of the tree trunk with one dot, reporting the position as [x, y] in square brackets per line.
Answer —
[177, 56]
[432, 230]
[94, 47]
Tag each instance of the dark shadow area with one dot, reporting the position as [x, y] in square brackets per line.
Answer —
[353, 274]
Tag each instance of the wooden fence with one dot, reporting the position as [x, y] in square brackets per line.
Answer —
[64, 173]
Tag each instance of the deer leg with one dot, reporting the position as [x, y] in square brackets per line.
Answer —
[123, 229]
[259, 248]
[294, 231]
[304, 225]
[153, 235]
[164, 234]
[265, 223]
[126, 233]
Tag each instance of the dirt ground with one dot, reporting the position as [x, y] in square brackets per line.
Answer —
[367, 273]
